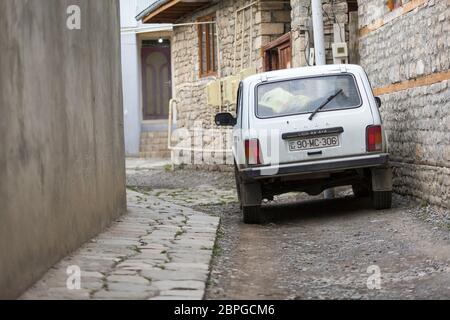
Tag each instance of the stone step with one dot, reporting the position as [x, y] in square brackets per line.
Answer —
[155, 154]
[154, 145]
[154, 141]
[154, 134]
[153, 148]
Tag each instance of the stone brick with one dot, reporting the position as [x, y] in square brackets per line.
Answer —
[408, 47]
[281, 16]
[272, 28]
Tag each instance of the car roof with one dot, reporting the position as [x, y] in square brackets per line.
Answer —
[304, 71]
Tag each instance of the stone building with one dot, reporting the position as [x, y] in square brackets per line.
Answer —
[146, 72]
[403, 45]
[405, 49]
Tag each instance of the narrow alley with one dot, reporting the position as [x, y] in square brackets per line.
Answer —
[211, 152]
[308, 247]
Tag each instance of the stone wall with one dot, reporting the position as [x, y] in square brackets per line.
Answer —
[408, 46]
[62, 166]
[418, 124]
[333, 12]
[412, 46]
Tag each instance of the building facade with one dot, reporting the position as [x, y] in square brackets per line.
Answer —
[147, 82]
[403, 46]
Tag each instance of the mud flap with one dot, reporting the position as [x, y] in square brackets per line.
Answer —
[381, 179]
[251, 194]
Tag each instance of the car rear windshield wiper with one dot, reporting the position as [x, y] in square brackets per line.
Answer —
[329, 99]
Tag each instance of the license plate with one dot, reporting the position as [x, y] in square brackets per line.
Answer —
[314, 143]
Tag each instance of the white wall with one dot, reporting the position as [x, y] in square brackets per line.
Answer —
[130, 79]
[131, 93]
[129, 9]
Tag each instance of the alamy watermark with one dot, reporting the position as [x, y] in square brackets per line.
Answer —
[73, 21]
[374, 280]
[200, 145]
[73, 281]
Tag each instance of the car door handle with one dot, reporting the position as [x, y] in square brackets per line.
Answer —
[315, 153]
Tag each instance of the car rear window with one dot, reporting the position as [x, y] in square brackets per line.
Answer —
[304, 95]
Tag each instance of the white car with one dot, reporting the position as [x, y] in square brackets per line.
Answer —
[308, 129]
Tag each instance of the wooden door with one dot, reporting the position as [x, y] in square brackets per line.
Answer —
[156, 81]
[285, 56]
[278, 53]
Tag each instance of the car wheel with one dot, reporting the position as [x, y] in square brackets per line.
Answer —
[252, 215]
[382, 199]
[360, 190]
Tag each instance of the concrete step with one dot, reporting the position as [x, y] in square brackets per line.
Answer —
[154, 134]
[154, 145]
[155, 154]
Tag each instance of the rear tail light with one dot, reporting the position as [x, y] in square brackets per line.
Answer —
[374, 138]
[252, 152]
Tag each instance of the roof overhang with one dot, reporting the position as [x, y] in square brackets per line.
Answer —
[169, 11]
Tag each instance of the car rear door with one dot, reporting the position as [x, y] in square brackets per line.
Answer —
[331, 133]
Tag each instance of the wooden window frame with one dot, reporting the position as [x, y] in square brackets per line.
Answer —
[211, 67]
[278, 44]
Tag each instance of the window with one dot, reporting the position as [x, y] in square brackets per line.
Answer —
[239, 103]
[297, 96]
[278, 53]
[239, 99]
[207, 46]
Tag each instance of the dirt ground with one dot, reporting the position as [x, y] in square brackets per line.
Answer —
[311, 248]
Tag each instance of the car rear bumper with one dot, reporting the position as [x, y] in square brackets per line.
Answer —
[329, 165]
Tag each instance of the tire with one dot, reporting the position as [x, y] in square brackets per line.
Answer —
[238, 185]
[382, 199]
[252, 215]
[360, 190]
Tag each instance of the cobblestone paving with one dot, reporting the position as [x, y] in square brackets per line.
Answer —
[158, 250]
[312, 248]
[201, 195]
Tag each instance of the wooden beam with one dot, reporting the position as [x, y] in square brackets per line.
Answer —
[413, 83]
[175, 8]
[275, 43]
[160, 9]
[407, 7]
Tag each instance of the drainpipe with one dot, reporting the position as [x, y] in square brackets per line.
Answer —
[219, 66]
[319, 49]
[319, 42]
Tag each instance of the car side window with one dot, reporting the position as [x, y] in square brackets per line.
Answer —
[239, 100]
[239, 104]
